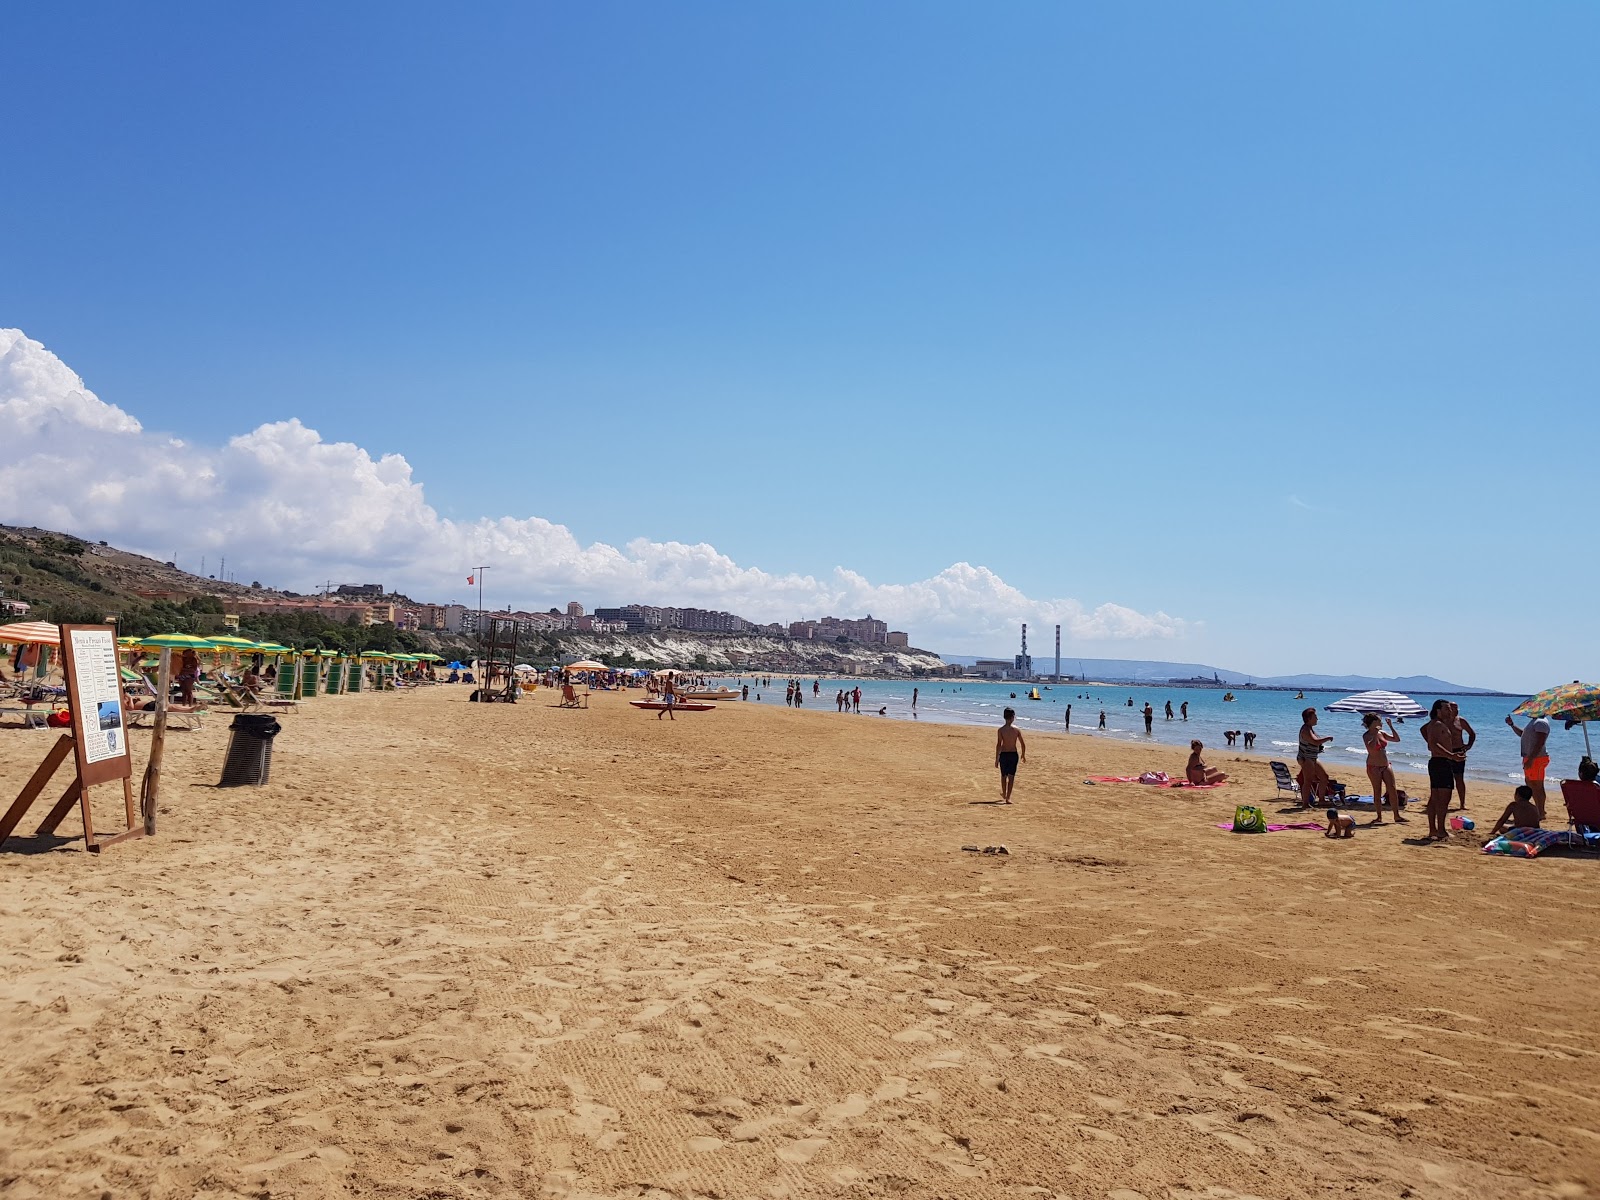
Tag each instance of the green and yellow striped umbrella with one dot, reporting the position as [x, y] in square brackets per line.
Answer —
[177, 641]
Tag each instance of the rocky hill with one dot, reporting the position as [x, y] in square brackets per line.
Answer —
[748, 651]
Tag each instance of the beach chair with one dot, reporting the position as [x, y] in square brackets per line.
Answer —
[236, 695]
[571, 697]
[179, 716]
[1285, 781]
[1583, 806]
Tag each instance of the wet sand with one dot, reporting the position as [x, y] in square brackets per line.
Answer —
[456, 950]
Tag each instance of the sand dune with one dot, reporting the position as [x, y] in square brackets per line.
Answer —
[455, 950]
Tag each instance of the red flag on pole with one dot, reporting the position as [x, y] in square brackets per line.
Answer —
[469, 578]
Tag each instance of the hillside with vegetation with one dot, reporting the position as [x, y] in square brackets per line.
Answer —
[65, 579]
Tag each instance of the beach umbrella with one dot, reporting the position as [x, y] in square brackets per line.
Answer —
[39, 633]
[176, 641]
[1572, 702]
[455, 666]
[230, 642]
[1387, 704]
[587, 664]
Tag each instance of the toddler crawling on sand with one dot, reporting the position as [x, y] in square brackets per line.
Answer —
[1340, 825]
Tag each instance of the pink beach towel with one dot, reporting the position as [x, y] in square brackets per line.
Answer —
[1155, 779]
[1228, 825]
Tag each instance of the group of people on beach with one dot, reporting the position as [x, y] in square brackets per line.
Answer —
[1449, 738]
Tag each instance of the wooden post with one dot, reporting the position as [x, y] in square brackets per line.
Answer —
[158, 743]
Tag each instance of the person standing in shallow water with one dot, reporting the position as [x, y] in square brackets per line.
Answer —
[1069, 717]
[1184, 709]
[1149, 716]
[1102, 718]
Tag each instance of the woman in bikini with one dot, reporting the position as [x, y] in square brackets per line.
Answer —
[1378, 769]
[1197, 772]
[1313, 777]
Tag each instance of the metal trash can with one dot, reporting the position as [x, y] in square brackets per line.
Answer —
[249, 758]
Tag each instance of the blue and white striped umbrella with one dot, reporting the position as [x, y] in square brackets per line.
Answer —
[1388, 704]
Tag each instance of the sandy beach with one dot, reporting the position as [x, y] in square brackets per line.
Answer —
[460, 950]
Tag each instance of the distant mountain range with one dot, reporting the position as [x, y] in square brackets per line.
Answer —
[1134, 670]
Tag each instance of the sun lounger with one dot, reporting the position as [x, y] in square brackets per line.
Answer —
[179, 716]
[32, 718]
[572, 698]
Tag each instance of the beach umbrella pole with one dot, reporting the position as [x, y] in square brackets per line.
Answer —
[158, 743]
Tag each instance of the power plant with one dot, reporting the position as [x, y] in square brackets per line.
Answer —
[1024, 662]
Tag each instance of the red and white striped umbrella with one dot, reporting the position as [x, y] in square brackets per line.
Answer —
[41, 633]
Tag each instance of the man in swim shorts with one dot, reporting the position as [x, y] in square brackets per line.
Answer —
[1535, 756]
[1009, 750]
[1439, 736]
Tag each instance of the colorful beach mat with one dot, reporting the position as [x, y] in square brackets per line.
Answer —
[1228, 825]
[1523, 842]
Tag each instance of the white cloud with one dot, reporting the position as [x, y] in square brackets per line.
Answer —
[309, 509]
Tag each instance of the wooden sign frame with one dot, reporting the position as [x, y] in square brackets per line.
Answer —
[100, 749]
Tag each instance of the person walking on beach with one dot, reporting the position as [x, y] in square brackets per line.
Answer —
[1149, 716]
[856, 696]
[1465, 737]
[1313, 776]
[1009, 750]
[1439, 736]
[1535, 756]
[669, 697]
[1378, 769]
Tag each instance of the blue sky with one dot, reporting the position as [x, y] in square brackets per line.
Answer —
[1264, 317]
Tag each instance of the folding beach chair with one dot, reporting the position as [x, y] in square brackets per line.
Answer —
[1285, 781]
[1583, 807]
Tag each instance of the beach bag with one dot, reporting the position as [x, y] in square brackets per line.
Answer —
[1247, 818]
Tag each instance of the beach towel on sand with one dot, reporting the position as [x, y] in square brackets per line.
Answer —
[1270, 828]
[1154, 779]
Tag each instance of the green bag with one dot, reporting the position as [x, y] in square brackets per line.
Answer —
[1247, 818]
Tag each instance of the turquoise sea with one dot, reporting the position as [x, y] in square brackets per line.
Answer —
[1273, 716]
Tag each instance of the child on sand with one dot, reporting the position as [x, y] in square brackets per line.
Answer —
[1340, 825]
[1521, 813]
[1009, 750]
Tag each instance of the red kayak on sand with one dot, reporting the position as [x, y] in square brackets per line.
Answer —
[680, 706]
